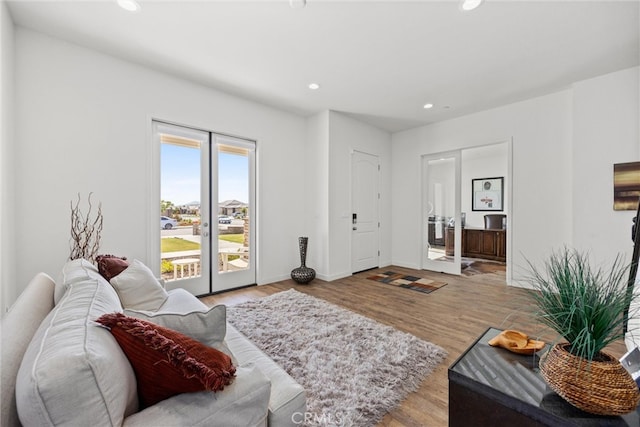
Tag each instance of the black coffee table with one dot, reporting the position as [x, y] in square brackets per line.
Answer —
[490, 386]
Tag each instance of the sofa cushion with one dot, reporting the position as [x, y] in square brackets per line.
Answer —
[244, 403]
[138, 288]
[167, 362]
[73, 372]
[72, 272]
[110, 265]
[287, 396]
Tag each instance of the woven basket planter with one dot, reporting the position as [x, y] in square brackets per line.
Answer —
[598, 387]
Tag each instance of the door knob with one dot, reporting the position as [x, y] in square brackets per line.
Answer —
[355, 228]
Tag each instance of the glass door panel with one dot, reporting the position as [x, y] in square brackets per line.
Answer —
[441, 207]
[234, 190]
[184, 208]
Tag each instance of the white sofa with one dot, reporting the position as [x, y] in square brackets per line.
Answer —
[60, 368]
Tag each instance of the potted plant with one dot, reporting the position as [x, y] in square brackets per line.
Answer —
[586, 306]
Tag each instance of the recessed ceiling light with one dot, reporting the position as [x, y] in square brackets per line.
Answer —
[427, 106]
[468, 5]
[129, 5]
[314, 86]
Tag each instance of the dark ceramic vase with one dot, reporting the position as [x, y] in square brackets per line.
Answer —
[303, 274]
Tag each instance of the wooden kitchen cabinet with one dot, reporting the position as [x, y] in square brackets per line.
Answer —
[480, 243]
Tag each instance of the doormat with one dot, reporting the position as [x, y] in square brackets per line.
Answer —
[408, 282]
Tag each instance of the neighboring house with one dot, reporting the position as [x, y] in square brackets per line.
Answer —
[77, 120]
[230, 207]
[192, 208]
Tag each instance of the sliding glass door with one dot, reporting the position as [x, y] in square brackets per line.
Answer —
[205, 192]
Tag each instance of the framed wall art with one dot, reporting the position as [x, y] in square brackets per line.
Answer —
[487, 194]
[626, 186]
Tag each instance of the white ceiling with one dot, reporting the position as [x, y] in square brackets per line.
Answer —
[380, 61]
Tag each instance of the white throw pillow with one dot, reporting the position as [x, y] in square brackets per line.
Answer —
[209, 327]
[138, 288]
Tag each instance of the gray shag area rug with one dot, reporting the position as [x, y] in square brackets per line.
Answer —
[354, 369]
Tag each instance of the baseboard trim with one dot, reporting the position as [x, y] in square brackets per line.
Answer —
[406, 265]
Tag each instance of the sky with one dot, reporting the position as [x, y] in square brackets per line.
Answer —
[180, 175]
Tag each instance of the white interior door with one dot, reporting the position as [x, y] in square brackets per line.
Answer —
[441, 243]
[365, 241]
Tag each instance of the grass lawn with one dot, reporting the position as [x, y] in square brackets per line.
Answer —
[235, 238]
[176, 244]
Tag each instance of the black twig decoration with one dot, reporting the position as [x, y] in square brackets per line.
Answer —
[85, 232]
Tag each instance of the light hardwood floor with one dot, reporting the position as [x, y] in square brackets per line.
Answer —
[452, 317]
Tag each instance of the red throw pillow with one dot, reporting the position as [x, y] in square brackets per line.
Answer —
[167, 362]
[110, 266]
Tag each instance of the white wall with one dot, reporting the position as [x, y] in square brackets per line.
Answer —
[7, 195]
[345, 135]
[560, 142]
[331, 138]
[316, 197]
[482, 162]
[605, 131]
[541, 133]
[82, 126]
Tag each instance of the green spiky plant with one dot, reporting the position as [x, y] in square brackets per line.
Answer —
[584, 305]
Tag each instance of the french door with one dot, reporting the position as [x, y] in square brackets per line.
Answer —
[442, 232]
[233, 239]
[205, 190]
